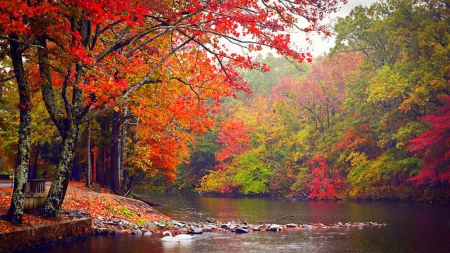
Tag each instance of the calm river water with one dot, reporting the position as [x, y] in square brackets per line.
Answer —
[409, 227]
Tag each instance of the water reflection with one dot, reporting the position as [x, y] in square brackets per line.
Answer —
[410, 228]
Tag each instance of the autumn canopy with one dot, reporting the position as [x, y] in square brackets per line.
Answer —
[173, 94]
[88, 59]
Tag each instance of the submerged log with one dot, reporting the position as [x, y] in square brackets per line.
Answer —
[150, 203]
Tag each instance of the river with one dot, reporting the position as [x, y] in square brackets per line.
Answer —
[410, 227]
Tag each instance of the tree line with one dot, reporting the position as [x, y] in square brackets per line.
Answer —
[370, 120]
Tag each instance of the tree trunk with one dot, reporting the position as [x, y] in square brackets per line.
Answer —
[115, 154]
[103, 156]
[55, 197]
[125, 185]
[88, 157]
[94, 164]
[68, 124]
[102, 177]
[34, 170]
[15, 211]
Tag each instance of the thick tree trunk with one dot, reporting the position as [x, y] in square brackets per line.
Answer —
[115, 154]
[67, 122]
[55, 197]
[23, 155]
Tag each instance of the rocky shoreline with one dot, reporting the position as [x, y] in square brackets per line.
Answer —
[89, 213]
[118, 226]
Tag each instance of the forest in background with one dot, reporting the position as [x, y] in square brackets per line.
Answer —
[370, 120]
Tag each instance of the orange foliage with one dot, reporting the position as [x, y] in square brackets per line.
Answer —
[80, 198]
[359, 139]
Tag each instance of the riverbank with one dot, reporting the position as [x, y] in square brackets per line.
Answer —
[109, 214]
[84, 212]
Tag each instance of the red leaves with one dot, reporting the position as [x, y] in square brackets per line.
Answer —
[433, 146]
[80, 198]
[326, 182]
[27, 106]
[28, 219]
[79, 53]
[359, 139]
[234, 137]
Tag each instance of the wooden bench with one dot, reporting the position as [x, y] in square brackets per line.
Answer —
[34, 194]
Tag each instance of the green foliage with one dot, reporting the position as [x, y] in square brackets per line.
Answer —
[142, 222]
[220, 181]
[364, 123]
[253, 176]
[119, 209]
[408, 131]
[301, 180]
[380, 178]
[9, 125]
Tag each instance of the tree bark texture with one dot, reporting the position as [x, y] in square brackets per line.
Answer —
[68, 124]
[57, 192]
[15, 212]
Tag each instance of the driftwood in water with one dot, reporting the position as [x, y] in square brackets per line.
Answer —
[284, 217]
[146, 201]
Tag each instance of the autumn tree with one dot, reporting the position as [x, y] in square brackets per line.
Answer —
[321, 93]
[433, 147]
[85, 48]
[402, 40]
[23, 153]
[326, 183]
[233, 137]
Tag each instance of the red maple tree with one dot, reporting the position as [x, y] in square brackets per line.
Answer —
[326, 183]
[234, 138]
[433, 146]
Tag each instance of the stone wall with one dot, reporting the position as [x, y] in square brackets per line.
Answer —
[44, 235]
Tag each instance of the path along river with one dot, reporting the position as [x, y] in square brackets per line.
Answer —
[410, 227]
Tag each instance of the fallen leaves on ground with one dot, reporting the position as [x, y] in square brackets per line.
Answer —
[81, 198]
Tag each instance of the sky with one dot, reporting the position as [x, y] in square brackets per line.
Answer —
[322, 46]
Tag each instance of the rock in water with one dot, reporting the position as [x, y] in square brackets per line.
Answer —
[241, 231]
[211, 220]
[195, 231]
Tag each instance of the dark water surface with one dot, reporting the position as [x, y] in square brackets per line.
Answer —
[410, 227]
